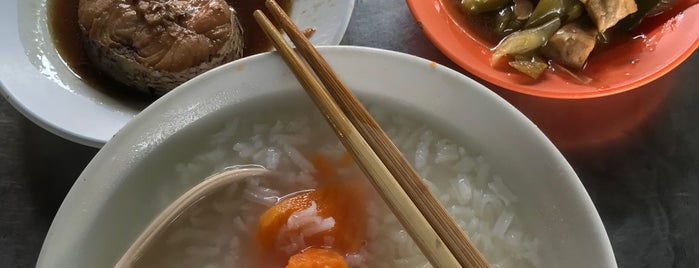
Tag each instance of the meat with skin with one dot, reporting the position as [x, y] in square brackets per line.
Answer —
[606, 13]
[571, 45]
[155, 45]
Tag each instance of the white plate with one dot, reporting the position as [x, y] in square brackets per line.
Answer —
[131, 178]
[35, 80]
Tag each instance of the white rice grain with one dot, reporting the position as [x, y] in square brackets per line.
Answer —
[298, 159]
[272, 156]
[501, 190]
[422, 150]
[447, 153]
[461, 189]
[465, 165]
[228, 132]
[260, 196]
[323, 226]
[244, 149]
[240, 225]
[502, 223]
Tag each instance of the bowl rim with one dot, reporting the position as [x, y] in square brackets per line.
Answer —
[424, 11]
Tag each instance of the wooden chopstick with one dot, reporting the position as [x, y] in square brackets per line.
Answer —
[376, 145]
[384, 182]
[463, 249]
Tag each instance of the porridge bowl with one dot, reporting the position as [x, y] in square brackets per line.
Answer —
[502, 180]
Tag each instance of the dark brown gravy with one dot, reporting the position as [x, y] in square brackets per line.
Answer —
[65, 32]
[254, 38]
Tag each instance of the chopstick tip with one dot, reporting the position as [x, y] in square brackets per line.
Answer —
[260, 17]
[271, 4]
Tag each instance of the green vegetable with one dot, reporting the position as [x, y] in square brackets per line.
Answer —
[514, 25]
[574, 10]
[545, 10]
[506, 23]
[524, 41]
[475, 7]
[502, 20]
[523, 9]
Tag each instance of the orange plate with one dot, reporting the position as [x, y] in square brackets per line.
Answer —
[617, 69]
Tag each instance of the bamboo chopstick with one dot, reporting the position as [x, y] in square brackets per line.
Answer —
[462, 248]
[397, 199]
[429, 231]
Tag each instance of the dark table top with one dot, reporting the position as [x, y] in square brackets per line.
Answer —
[643, 176]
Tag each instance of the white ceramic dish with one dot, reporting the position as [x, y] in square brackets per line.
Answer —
[126, 184]
[36, 81]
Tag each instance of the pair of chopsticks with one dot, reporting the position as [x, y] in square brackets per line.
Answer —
[426, 220]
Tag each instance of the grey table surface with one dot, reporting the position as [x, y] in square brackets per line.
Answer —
[644, 181]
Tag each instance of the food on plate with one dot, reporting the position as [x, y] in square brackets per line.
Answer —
[319, 210]
[155, 45]
[533, 36]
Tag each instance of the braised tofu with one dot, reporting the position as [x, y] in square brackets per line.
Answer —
[571, 45]
[606, 13]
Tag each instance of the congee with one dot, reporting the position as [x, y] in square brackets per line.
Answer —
[318, 210]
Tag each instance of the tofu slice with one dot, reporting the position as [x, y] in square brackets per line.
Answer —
[571, 45]
[606, 13]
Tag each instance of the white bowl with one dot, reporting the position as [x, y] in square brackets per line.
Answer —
[130, 179]
[35, 80]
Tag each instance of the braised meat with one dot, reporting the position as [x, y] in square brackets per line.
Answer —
[155, 45]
